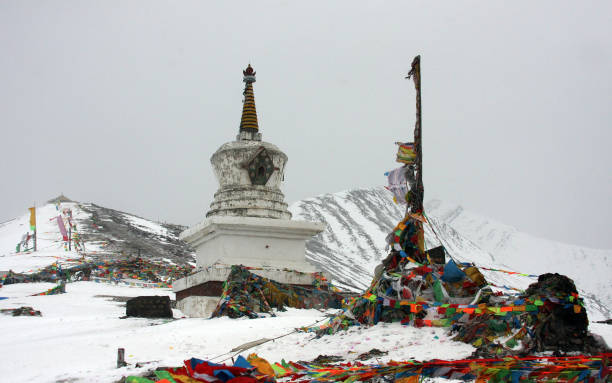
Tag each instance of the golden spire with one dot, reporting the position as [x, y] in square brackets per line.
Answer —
[248, 122]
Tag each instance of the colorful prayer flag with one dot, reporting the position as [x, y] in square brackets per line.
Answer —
[33, 218]
[62, 228]
[406, 153]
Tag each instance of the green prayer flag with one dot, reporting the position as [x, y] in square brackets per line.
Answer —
[278, 371]
[438, 294]
[511, 343]
[138, 379]
[164, 375]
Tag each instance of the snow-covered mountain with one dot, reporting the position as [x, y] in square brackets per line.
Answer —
[353, 244]
[359, 220]
[349, 249]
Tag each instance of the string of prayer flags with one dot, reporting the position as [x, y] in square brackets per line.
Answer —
[59, 289]
[510, 272]
[576, 368]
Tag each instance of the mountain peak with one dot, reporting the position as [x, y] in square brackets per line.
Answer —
[60, 198]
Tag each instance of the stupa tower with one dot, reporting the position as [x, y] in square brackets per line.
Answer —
[248, 222]
[249, 170]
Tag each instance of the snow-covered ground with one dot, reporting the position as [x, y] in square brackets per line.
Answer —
[80, 331]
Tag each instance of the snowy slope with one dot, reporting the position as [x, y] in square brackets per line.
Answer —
[106, 233]
[50, 245]
[359, 220]
[353, 243]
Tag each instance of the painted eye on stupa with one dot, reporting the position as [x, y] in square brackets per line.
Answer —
[261, 168]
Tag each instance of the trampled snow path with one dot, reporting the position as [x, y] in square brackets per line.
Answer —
[77, 337]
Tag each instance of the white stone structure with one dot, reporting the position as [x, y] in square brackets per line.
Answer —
[248, 222]
[250, 241]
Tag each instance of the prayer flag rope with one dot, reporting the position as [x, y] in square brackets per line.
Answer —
[157, 274]
[509, 272]
[577, 368]
[59, 289]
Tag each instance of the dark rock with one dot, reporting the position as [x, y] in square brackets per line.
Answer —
[559, 327]
[437, 255]
[373, 353]
[149, 307]
[22, 311]
[327, 359]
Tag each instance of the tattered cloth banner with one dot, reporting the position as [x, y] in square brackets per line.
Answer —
[397, 184]
[579, 368]
[406, 153]
[62, 228]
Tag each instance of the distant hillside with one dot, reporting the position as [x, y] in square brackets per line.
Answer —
[131, 235]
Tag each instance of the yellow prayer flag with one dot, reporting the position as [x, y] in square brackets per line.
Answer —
[408, 379]
[261, 365]
[33, 218]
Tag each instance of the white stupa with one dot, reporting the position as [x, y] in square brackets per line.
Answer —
[248, 222]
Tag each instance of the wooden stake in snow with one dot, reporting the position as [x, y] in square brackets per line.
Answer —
[121, 358]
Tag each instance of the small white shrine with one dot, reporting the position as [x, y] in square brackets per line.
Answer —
[248, 222]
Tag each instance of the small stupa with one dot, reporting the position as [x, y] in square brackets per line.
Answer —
[248, 222]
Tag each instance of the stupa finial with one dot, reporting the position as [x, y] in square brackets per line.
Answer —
[248, 122]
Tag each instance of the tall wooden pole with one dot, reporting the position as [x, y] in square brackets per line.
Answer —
[415, 74]
[33, 213]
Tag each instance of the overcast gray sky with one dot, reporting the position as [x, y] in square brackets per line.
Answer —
[122, 103]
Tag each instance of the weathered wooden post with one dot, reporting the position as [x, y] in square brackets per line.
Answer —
[121, 358]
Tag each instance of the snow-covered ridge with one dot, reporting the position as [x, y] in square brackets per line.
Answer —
[359, 220]
[105, 233]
